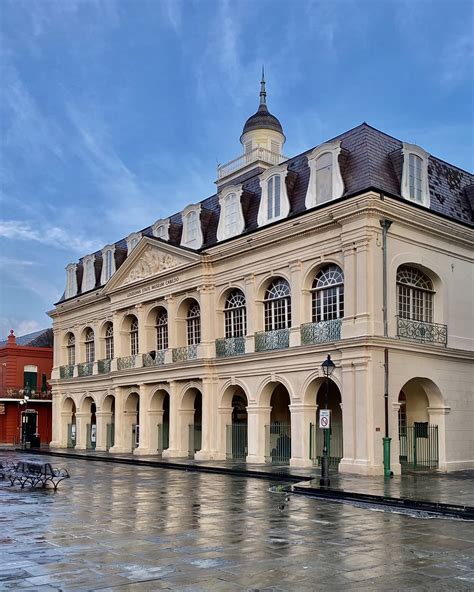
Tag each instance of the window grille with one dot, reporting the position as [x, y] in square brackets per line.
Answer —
[162, 329]
[278, 306]
[235, 316]
[193, 321]
[90, 346]
[415, 177]
[328, 294]
[109, 342]
[71, 350]
[415, 295]
[134, 337]
[273, 197]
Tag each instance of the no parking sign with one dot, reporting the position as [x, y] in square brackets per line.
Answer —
[325, 419]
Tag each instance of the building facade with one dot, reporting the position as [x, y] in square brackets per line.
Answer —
[203, 335]
[25, 373]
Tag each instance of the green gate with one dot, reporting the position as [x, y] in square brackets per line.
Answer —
[236, 441]
[110, 435]
[71, 435]
[91, 436]
[316, 444]
[163, 437]
[195, 439]
[278, 443]
[419, 446]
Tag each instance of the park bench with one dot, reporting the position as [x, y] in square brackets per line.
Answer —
[33, 473]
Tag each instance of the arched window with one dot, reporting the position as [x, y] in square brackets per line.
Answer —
[278, 306]
[71, 349]
[328, 294]
[161, 231]
[90, 346]
[134, 337]
[162, 329]
[273, 199]
[109, 341]
[235, 315]
[414, 294]
[193, 321]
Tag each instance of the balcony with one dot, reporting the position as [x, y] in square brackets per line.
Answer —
[268, 340]
[181, 354]
[17, 393]
[66, 371]
[255, 155]
[103, 366]
[85, 369]
[321, 332]
[154, 358]
[422, 331]
[231, 346]
[126, 362]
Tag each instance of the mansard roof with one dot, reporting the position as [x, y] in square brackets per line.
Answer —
[370, 160]
[41, 338]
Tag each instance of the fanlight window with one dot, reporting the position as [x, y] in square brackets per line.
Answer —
[162, 329]
[328, 294]
[235, 315]
[278, 306]
[71, 349]
[273, 198]
[134, 337]
[193, 321]
[90, 346]
[414, 294]
[109, 342]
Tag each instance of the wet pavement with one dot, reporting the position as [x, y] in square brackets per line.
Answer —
[128, 527]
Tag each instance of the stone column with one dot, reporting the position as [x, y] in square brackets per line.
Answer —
[172, 333]
[82, 419]
[437, 416]
[144, 444]
[258, 418]
[58, 439]
[224, 418]
[209, 448]
[178, 446]
[296, 298]
[250, 310]
[140, 312]
[208, 315]
[301, 418]
[363, 290]
[103, 418]
[395, 466]
[121, 444]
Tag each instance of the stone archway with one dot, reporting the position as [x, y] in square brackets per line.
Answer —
[233, 421]
[159, 420]
[190, 421]
[87, 424]
[68, 423]
[106, 424]
[131, 420]
[328, 397]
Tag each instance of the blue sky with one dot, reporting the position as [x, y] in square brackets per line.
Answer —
[114, 113]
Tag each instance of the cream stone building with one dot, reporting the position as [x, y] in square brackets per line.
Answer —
[203, 335]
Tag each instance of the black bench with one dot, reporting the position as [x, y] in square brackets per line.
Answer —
[33, 473]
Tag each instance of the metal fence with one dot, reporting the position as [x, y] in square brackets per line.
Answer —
[103, 366]
[163, 437]
[231, 346]
[316, 444]
[422, 331]
[110, 435]
[71, 435]
[236, 441]
[268, 340]
[66, 371]
[278, 443]
[419, 446]
[321, 332]
[195, 439]
[181, 354]
[91, 436]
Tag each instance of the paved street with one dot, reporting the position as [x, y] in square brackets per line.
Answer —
[120, 527]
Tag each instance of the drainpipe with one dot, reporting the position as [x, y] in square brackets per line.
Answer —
[385, 224]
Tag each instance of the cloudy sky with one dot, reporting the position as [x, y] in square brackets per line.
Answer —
[115, 113]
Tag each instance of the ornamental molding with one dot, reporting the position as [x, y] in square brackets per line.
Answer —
[150, 263]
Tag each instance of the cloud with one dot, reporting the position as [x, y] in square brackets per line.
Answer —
[20, 326]
[7, 262]
[456, 61]
[173, 11]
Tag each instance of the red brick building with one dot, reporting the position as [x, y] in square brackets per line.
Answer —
[25, 370]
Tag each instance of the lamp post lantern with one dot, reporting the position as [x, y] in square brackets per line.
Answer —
[27, 392]
[328, 368]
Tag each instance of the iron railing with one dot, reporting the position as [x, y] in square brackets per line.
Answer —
[19, 394]
[85, 369]
[268, 340]
[110, 435]
[230, 346]
[155, 358]
[71, 435]
[163, 437]
[316, 444]
[195, 439]
[181, 354]
[278, 443]
[126, 362]
[321, 332]
[422, 331]
[254, 155]
[66, 371]
[236, 441]
[103, 366]
[419, 446]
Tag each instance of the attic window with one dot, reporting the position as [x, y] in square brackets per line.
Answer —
[325, 181]
[160, 229]
[108, 263]
[192, 234]
[71, 280]
[88, 280]
[415, 175]
[231, 220]
[274, 204]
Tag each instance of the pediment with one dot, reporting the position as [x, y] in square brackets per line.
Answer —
[150, 259]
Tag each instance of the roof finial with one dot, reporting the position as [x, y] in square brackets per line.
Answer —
[263, 94]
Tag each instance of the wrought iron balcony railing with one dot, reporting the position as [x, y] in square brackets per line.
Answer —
[66, 371]
[321, 332]
[422, 331]
[19, 394]
[254, 155]
[85, 369]
[181, 354]
[267, 340]
[230, 346]
[103, 366]
[155, 358]
[126, 362]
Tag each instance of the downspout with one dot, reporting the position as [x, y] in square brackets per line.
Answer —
[385, 224]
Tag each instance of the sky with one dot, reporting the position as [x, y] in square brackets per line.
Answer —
[115, 113]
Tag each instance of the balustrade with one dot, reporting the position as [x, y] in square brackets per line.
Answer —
[66, 371]
[181, 354]
[258, 153]
[85, 369]
[103, 366]
[230, 346]
[422, 331]
[155, 358]
[321, 332]
[268, 340]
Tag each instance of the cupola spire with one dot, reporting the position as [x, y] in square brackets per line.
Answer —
[263, 93]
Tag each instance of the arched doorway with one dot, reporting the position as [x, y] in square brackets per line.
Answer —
[69, 422]
[236, 431]
[278, 432]
[89, 408]
[159, 418]
[418, 432]
[328, 397]
[109, 420]
[191, 421]
[131, 420]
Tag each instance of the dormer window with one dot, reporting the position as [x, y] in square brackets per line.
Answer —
[274, 204]
[71, 280]
[415, 175]
[160, 229]
[88, 279]
[108, 263]
[325, 179]
[192, 233]
[132, 241]
[231, 219]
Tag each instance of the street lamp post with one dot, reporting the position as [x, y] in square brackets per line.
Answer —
[27, 392]
[328, 368]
